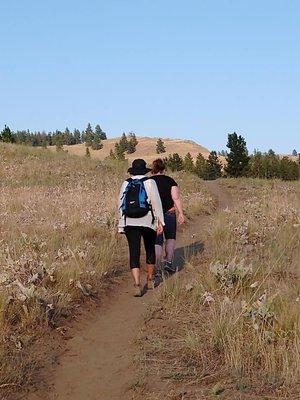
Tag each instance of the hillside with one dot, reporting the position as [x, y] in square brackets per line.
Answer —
[145, 148]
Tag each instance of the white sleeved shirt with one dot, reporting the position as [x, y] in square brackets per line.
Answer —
[154, 200]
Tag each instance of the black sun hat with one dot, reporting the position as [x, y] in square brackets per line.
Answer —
[139, 167]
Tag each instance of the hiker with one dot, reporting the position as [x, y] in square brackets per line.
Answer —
[171, 201]
[141, 216]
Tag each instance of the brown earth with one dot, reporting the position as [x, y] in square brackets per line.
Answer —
[98, 363]
[146, 148]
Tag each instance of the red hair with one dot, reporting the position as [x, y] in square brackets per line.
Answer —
[158, 166]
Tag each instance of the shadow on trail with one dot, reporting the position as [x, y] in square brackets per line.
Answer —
[184, 253]
[181, 256]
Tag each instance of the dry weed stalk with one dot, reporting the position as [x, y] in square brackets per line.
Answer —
[239, 322]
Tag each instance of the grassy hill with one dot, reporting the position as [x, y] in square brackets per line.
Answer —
[59, 244]
[146, 148]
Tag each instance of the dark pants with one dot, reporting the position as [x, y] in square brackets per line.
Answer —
[134, 234]
[169, 228]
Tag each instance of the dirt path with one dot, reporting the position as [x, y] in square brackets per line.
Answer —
[98, 363]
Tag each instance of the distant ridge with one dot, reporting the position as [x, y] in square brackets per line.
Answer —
[146, 148]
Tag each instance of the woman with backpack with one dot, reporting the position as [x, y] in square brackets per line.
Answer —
[171, 201]
[141, 216]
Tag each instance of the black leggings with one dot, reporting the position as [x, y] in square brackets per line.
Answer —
[134, 235]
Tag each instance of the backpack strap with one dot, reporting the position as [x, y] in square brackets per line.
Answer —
[150, 205]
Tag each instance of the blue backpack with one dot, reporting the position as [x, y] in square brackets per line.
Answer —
[135, 200]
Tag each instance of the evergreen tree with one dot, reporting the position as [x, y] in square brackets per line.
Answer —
[174, 162]
[188, 163]
[294, 153]
[7, 135]
[77, 136]
[68, 137]
[123, 142]
[160, 146]
[88, 135]
[133, 139]
[58, 140]
[131, 143]
[100, 133]
[44, 140]
[119, 151]
[257, 165]
[271, 165]
[49, 139]
[237, 159]
[289, 170]
[87, 152]
[213, 167]
[200, 165]
[96, 143]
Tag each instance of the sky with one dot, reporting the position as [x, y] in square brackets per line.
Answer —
[193, 69]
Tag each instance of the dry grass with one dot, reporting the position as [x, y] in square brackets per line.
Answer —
[196, 199]
[235, 328]
[58, 242]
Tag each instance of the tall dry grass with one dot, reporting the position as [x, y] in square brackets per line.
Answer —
[234, 326]
[58, 243]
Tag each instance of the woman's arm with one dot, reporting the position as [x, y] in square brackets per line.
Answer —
[175, 193]
[121, 224]
[155, 200]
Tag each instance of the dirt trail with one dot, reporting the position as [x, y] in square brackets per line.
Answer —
[98, 363]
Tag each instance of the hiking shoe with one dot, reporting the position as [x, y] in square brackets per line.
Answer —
[150, 284]
[169, 267]
[137, 291]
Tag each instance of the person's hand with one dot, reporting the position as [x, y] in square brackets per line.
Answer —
[159, 229]
[181, 219]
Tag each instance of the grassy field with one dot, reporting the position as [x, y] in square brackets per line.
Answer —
[232, 328]
[58, 244]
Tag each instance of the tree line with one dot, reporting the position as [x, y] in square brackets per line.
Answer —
[91, 137]
[238, 163]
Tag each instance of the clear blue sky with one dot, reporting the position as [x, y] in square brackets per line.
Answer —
[187, 69]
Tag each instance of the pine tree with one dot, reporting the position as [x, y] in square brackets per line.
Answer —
[257, 165]
[200, 165]
[271, 165]
[88, 135]
[58, 140]
[96, 143]
[123, 142]
[119, 151]
[100, 133]
[87, 152]
[69, 137]
[237, 159]
[289, 169]
[188, 163]
[7, 135]
[175, 162]
[160, 146]
[213, 167]
[77, 136]
[131, 143]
